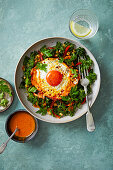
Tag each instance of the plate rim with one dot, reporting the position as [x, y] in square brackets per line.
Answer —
[63, 38]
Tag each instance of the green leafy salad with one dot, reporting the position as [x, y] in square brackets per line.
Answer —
[65, 53]
[4, 90]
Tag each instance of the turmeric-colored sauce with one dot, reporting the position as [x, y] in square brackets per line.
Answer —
[24, 122]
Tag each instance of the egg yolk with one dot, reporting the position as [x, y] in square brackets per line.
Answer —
[54, 77]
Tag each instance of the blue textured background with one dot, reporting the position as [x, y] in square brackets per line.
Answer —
[58, 146]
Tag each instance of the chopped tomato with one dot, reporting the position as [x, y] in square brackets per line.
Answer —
[78, 63]
[70, 104]
[55, 114]
[23, 67]
[67, 57]
[70, 108]
[50, 47]
[53, 98]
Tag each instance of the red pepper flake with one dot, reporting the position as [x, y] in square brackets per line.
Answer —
[40, 56]
[66, 49]
[50, 48]
[78, 63]
[84, 101]
[23, 67]
[51, 105]
[55, 114]
[89, 69]
[53, 98]
[70, 104]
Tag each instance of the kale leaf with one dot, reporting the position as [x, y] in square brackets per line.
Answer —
[26, 59]
[3, 102]
[91, 77]
[42, 66]
[43, 111]
[80, 52]
[86, 64]
[69, 44]
[4, 88]
[32, 89]
[47, 52]
[59, 47]
[33, 99]
[1, 95]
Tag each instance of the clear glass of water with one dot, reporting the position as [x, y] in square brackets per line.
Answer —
[83, 24]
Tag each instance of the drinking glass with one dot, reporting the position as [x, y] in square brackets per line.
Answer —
[83, 24]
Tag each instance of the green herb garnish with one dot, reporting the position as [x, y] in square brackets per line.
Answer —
[1, 95]
[3, 102]
[41, 66]
[32, 89]
[86, 64]
[92, 77]
[74, 72]
[4, 88]
[33, 99]
[2, 82]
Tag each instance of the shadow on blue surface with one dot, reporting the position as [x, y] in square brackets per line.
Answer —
[42, 136]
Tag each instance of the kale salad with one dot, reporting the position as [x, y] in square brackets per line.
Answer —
[68, 54]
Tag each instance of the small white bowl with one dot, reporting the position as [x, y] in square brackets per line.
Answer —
[9, 98]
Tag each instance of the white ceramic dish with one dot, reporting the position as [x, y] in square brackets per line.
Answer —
[9, 98]
[23, 96]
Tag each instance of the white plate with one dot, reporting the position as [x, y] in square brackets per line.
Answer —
[23, 96]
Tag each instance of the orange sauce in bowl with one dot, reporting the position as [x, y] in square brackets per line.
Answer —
[24, 122]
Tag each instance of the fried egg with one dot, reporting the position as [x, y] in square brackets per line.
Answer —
[56, 81]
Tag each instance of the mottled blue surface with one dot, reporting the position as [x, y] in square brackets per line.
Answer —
[58, 146]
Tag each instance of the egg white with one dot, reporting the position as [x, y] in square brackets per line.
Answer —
[54, 65]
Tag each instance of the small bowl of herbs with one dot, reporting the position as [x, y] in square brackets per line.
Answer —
[6, 94]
